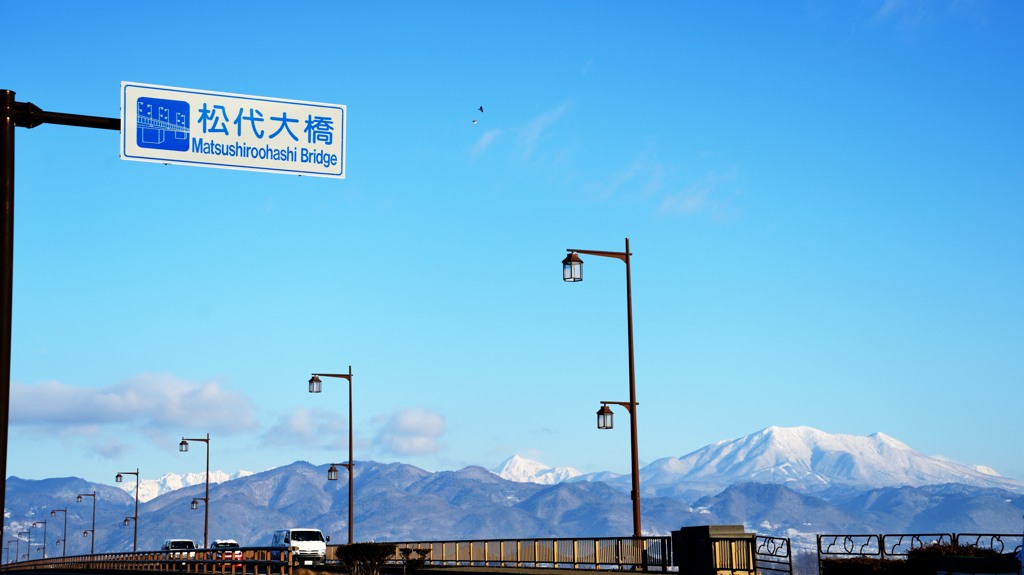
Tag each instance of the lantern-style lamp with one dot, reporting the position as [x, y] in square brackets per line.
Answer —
[332, 473]
[604, 417]
[572, 268]
[315, 384]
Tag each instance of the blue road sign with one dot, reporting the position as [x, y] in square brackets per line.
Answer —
[234, 131]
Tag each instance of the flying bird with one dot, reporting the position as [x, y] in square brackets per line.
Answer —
[474, 122]
[481, 108]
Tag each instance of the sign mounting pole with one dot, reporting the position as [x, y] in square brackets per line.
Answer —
[24, 115]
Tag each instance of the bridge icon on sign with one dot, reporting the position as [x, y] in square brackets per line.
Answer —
[162, 124]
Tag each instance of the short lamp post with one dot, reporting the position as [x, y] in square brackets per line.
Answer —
[87, 532]
[332, 473]
[63, 546]
[183, 447]
[36, 524]
[28, 554]
[135, 518]
[572, 271]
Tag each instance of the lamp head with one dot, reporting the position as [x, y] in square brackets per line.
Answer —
[183, 446]
[315, 384]
[604, 417]
[572, 268]
[118, 478]
[332, 473]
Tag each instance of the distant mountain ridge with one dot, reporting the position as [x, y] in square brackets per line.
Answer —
[789, 482]
[804, 459]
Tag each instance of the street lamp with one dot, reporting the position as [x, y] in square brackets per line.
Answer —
[28, 554]
[36, 524]
[92, 540]
[183, 447]
[135, 518]
[53, 513]
[332, 473]
[572, 271]
[16, 550]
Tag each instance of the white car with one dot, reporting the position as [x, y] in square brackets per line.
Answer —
[228, 549]
[179, 549]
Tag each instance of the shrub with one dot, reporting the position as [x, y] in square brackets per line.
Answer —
[364, 558]
[413, 559]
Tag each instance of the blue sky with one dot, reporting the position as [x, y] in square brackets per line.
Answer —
[823, 200]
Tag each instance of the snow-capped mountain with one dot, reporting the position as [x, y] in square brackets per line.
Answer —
[524, 470]
[152, 488]
[785, 482]
[808, 460]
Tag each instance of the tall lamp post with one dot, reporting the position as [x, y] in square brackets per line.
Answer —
[135, 518]
[36, 524]
[572, 271]
[183, 447]
[63, 542]
[28, 554]
[332, 473]
[92, 540]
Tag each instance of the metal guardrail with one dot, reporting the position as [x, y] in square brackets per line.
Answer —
[252, 560]
[897, 546]
[644, 553]
[773, 554]
[770, 554]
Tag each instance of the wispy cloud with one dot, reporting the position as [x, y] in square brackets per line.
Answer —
[316, 428]
[411, 432]
[534, 130]
[911, 15]
[485, 141]
[640, 178]
[527, 135]
[701, 195]
[152, 404]
[907, 13]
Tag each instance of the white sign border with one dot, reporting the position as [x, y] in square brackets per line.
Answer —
[128, 127]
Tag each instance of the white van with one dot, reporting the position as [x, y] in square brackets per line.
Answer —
[309, 545]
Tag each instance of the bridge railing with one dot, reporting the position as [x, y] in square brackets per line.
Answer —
[770, 554]
[898, 545]
[252, 560]
[646, 553]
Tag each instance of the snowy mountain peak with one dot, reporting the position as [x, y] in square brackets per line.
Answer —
[524, 470]
[152, 488]
[807, 458]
